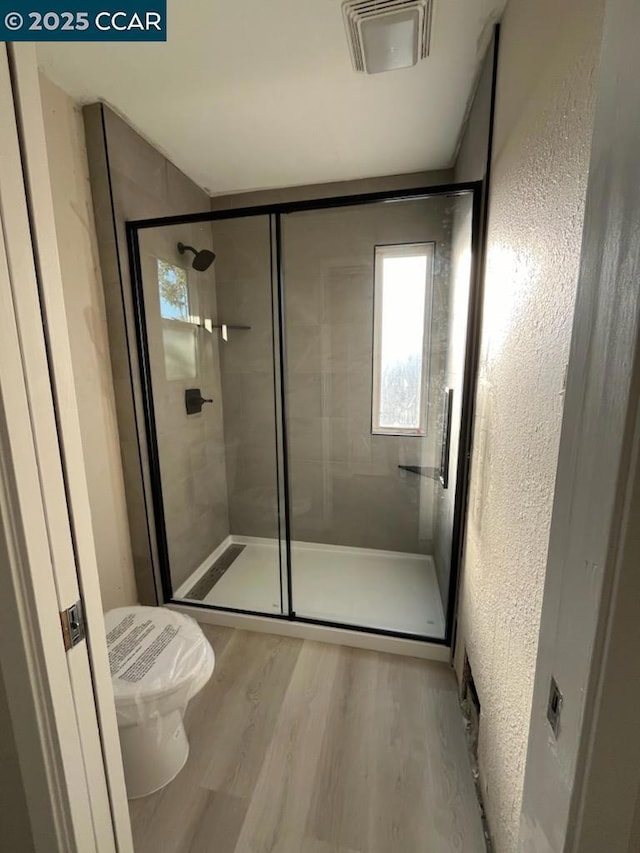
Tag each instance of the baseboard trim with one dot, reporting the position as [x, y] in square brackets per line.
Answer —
[319, 633]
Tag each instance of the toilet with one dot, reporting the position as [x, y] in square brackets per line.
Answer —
[159, 661]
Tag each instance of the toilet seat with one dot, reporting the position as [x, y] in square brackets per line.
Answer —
[159, 660]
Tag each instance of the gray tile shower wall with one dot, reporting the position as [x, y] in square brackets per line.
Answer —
[243, 283]
[346, 486]
[130, 179]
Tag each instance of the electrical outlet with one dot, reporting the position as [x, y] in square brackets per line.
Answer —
[554, 708]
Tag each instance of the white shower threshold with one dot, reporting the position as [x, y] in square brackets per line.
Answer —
[375, 590]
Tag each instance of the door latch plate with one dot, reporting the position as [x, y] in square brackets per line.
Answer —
[73, 626]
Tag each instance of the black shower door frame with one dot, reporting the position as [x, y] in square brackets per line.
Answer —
[275, 212]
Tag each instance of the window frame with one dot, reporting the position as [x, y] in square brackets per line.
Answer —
[401, 250]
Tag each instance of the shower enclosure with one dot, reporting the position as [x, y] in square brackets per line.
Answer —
[305, 396]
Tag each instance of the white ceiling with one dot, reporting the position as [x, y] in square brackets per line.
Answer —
[253, 94]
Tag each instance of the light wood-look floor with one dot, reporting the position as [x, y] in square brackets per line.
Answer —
[302, 747]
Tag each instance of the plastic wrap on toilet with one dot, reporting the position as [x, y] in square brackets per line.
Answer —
[159, 660]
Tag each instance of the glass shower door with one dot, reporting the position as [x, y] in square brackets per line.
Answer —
[375, 300]
[207, 301]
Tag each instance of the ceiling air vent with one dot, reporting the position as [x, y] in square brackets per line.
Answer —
[384, 35]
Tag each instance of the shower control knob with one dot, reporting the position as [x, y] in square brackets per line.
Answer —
[194, 401]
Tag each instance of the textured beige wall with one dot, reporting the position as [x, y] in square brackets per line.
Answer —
[582, 788]
[84, 304]
[544, 119]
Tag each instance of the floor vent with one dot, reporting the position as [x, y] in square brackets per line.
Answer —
[471, 707]
[470, 703]
[375, 26]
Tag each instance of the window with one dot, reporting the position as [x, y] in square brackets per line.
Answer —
[179, 334]
[402, 308]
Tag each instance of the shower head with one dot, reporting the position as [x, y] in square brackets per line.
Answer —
[202, 260]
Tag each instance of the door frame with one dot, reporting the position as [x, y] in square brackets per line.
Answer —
[61, 703]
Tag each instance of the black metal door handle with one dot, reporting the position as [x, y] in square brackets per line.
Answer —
[446, 437]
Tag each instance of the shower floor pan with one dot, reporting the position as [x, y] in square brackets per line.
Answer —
[383, 590]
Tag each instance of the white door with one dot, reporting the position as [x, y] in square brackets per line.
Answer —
[60, 701]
